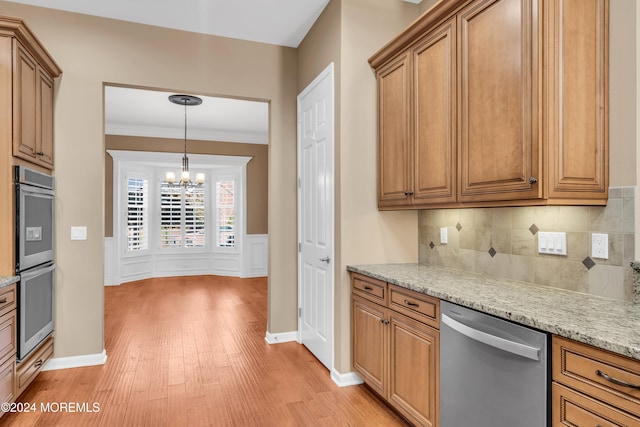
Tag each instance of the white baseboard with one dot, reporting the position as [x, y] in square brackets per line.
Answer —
[281, 337]
[345, 380]
[76, 361]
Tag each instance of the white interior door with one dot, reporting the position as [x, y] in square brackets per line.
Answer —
[315, 217]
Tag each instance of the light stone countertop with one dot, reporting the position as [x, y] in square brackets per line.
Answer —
[8, 280]
[606, 323]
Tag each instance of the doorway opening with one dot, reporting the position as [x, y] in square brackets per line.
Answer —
[185, 233]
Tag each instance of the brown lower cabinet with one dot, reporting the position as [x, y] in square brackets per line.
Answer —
[396, 345]
[8, 344]
[594, 387]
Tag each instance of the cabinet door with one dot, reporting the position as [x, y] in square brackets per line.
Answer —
[414, 369]
[434, 74]
[498, 101]
[394, 152]
[571, 408]
[25, 87]
[577, 94]
[369, 343]
[7, 380]
[44, 119]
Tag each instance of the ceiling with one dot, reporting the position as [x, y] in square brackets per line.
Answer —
[280, 22]
[149, 113]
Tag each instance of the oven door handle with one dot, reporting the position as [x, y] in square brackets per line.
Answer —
[37, 271]
[509, 346]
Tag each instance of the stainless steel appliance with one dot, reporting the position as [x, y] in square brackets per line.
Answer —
[35, 307]
[493, 373]
[34, 219]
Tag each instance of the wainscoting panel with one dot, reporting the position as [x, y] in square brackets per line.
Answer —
[110, 266]
[249, 262]
[256, 250]
[136, 268]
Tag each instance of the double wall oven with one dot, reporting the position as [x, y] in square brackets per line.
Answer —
[34, 217]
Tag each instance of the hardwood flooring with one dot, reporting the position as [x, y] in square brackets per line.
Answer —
[190, 351]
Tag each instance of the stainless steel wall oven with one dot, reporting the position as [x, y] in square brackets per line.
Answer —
[34, 218]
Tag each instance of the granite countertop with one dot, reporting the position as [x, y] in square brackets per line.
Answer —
[606, 323]
[8, 280]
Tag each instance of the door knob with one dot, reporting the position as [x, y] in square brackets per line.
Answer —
[325, 259]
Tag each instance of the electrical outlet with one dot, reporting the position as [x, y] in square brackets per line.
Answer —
[600, 245]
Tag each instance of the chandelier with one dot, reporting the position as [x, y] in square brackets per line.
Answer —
[186, 100]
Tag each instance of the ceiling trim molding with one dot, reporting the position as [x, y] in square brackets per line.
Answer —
[198, 161]
[194, 134]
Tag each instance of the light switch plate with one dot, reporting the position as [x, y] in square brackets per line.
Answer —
[79, 233]
[600, 245]
[552, 243]
[443, 235]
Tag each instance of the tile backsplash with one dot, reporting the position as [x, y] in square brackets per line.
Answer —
[503, 242]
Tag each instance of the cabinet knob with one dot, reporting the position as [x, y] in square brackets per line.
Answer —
[40, 153]
[533, 180]
[408, 193]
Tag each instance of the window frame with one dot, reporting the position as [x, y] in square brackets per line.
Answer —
[183, 219]
[146, 216]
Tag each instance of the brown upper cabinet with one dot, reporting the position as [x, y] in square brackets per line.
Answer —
[495, 103]
[32, 75]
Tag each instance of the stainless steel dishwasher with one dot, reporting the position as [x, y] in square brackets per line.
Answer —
[493, 373]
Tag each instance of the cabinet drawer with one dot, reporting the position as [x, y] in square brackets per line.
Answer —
[371, 289]
[8, 334]
[586, 368]
[29, 368]
[571, 408]
[418, 306]
[7, 299]
[7, 377]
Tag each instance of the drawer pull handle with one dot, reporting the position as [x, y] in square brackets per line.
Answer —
[367, 288]
[615, 380]
[3, 300]
[411, 304]
[38, 363]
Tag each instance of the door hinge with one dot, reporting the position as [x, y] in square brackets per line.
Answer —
[299, 183]
[299, 311]
[299, 247]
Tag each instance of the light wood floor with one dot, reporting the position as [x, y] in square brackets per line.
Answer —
[191, 352]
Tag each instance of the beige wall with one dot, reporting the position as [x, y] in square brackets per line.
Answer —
[92, 51]
[343, 34]
[622, 93]
[624, 102]
[257, 172]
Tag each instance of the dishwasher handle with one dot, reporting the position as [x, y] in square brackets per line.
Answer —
[513, 347]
